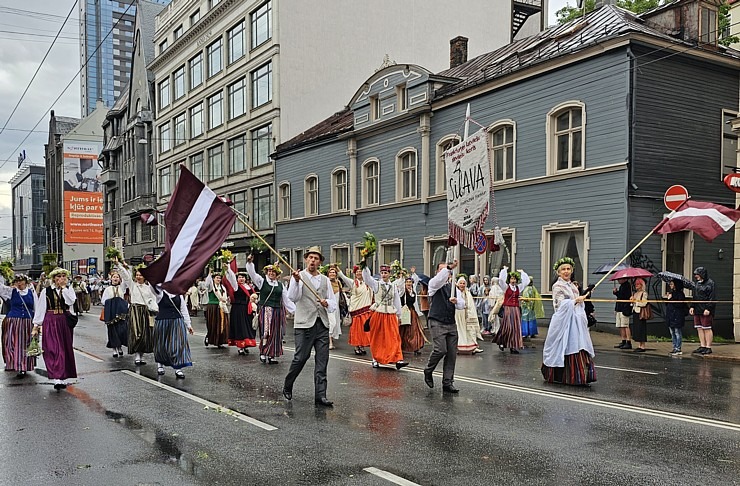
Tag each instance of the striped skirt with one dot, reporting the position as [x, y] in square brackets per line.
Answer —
[385, 341]
[171, 346]
[578, 370]
[16, 335]
[140, 330]
[272, 327]
[357, 335]
[217, 325]
[56, 341]
[509, 334]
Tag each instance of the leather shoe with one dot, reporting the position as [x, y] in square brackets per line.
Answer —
[428, 379]
[401, 364]
[450, 389]
[288, 394]
[324, 402]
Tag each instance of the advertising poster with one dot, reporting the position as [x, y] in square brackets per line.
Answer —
[83, 193]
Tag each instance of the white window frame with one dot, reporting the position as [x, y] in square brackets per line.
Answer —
[546, 264]
[211, 153]
[212, 122]
[235, 54]
[210, 71]
[427, 253]
[551, 142]
[401, 173]
[254, 18]
[237, 93]
[195, 114]
[334, 257]
[402, 98]
[191, 64]
[180, 135]
[261, 83]
[364, 191]
[496, 126]
[335, 208]
[307, 196]
[164, 87]
[165, 137]
[688, 264]
[724, 136]
[439, 182]
[161, 177]
[179, 73]
[382, 244]
[283, 212]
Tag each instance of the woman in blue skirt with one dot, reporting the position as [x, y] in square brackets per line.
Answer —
[171, 328]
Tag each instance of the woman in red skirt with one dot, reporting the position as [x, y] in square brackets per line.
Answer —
[385, 341]
[509, 334]
[360, 299]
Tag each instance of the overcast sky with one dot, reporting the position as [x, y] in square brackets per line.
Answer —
[20, 55]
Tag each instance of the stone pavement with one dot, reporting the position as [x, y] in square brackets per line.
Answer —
[607, 341]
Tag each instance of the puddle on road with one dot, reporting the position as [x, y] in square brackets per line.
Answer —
[166, 445]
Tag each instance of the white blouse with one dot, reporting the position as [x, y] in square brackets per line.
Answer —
[68, 294]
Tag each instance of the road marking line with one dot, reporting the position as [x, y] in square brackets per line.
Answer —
[231, 413]
[628, 370]
[390, 477]
[572, 398]
[88, 355]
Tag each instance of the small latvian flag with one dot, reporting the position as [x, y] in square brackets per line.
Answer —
[705, 219]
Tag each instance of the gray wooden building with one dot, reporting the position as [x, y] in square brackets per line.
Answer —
[588, 124]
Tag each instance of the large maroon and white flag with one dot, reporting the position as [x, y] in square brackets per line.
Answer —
[197, 222]
[705, 219]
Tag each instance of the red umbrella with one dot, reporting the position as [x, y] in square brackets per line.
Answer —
[631, 273]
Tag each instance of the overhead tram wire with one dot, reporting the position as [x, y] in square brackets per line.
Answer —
[68, 84]
[28, 86]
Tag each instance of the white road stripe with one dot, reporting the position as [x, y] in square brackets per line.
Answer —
[628, 370]
[572, 398]
[390, 477]
[88, 355]
[229, 412]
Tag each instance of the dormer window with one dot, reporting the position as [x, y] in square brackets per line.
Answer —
[402, 97]
[708, 25]
[374, 107]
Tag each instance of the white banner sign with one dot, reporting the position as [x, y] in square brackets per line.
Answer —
[468, 188]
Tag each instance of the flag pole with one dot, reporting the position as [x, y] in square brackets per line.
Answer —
[242, 219]
[652, 232]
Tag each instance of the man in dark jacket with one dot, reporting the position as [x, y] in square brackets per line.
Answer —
[623, 311]
[702, 310]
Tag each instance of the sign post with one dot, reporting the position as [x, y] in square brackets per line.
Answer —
[675, 196]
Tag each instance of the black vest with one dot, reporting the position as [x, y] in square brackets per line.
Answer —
[440, 307]
[169, 308]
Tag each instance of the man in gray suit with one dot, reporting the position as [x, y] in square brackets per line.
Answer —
[311, 324]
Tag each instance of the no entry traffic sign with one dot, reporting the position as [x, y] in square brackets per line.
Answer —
[675, 196]
[481, 244]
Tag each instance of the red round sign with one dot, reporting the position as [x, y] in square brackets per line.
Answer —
[675, 196]
[732, 181]
[481, 244]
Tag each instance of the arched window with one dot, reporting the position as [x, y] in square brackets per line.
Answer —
[565, 135]
[371, 182]
[406, 174]
[446, 143]
[502, 145]
[311, 191]
[339, 190]
[284, 201]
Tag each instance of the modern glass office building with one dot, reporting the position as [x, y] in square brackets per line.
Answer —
[106, 42]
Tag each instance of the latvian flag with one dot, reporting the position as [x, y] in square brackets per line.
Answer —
[705, 219]
[197, 222]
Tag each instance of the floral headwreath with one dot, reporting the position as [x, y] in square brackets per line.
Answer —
[514, 274]
[21, 276]
[58, 271]
[274, 268]
[563, 261]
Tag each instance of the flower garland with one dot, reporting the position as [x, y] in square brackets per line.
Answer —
[563, 261]
[113, 253]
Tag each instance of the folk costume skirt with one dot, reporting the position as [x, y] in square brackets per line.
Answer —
[217, 323]
[385, 341]
[140, 330]
[271, 328]
[241, 333]
[16, 338]
[116, 321]
[412, 337]
[509, 334]
[171, 347]
[357, 334]
[56, 341]
[578, 370]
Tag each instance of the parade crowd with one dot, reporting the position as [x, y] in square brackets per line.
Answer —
[383, 315]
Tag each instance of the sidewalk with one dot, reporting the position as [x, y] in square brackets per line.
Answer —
[606, 341]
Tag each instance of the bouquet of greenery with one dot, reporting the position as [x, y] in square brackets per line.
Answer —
[217, 261]
[113, 253]
[34, 349]
[370, 246]
[256, 245]
[397, 271]
[6, 270]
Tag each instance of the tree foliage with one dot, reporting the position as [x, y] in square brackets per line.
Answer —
[723, 19]
[568, 13]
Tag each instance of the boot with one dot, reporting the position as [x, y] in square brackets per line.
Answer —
[627, 345]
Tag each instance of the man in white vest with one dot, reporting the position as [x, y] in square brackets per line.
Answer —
[311, 324]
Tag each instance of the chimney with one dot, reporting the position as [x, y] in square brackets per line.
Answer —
[458, 51]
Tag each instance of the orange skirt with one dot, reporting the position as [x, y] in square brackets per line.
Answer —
[357, 336]
[385, 341]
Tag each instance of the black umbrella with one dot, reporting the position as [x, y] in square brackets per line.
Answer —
[424, 279]
[668, 276]
[604, 269]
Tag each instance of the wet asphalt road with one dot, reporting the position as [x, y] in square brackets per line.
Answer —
[648, 420]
